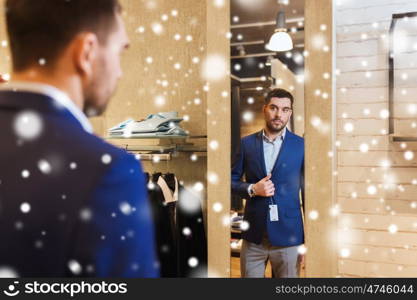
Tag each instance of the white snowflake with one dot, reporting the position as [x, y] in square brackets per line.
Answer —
[28, 125]
[408, 155]
[371, 190]
[193, 262]
[75, 267]
[106, 159]
[302, 249]
[213, 178]
[217, 207]
[186, 231]
[157, 28]
[248, 116]
[344, 252]
[214, 67]
[214, 145]
[8, 272]
[244, 226]
[44, 166]
[125, 208]
[190, 202]
[86, 214]
[392, 228]
[313, 215]
[25, 173]
[25, 207]
[160, 100]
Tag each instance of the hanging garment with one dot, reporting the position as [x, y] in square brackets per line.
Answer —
[193, 245]
[191, 234]
[170, 194]
[163, 216]
[172, 201]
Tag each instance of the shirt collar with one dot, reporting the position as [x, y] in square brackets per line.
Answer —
[282, 136]
[59, 96]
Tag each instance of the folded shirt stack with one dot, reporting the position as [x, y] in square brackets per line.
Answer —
[155, 125]
[236, 222]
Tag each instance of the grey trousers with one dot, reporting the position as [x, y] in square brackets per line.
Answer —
[254, 258]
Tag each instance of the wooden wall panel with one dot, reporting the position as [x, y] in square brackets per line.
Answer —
[5, 63]
[362, 61]
[219, 143]
[319, 166]
[159, 67]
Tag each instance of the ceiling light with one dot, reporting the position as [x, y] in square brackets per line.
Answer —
[280, 40]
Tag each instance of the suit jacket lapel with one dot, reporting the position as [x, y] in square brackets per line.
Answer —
[284, 151]
[260, 150]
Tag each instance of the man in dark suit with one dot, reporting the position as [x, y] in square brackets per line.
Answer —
[70, 203]
[272, 161]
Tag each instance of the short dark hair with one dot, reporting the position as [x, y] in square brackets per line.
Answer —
[41, 29]
[279, 93]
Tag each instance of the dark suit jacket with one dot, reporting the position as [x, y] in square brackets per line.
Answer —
[288, 178]
[83, 212]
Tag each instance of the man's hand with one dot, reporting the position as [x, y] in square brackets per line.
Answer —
[264, 187]
[301, 264]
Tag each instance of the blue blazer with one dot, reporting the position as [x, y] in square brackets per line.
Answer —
[88, 219]
[288, 178]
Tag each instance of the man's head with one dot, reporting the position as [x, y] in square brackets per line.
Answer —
[278, 109]
[79, 40]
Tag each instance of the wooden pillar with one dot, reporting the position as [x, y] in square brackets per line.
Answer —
[321, 226]
[5, 60]
[218, 143]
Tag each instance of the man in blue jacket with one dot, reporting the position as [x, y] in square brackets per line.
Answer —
[272, 162]
[70, 203]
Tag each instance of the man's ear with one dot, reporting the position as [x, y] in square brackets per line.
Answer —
[86, 48]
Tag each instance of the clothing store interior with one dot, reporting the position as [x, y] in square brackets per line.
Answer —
[169, 111]
[194, 82]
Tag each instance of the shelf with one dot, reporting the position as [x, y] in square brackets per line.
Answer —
[397, 138]
[156, 137]
[150, 148]
[164, 148]
[167, 145]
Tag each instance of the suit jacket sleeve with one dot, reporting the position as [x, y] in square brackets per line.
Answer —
[121, 212]
[303, 198]
[239, 187]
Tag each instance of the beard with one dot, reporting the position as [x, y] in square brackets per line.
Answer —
[97, 97]
[275, 128]
[99, 90]
[92, 107]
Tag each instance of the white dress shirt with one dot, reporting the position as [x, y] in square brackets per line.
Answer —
[271, 152]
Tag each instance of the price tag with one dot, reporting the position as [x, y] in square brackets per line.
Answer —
[273, 212]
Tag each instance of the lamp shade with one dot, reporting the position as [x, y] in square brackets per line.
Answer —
[280, 41]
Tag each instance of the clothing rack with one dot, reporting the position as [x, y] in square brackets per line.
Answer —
[153, 156]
